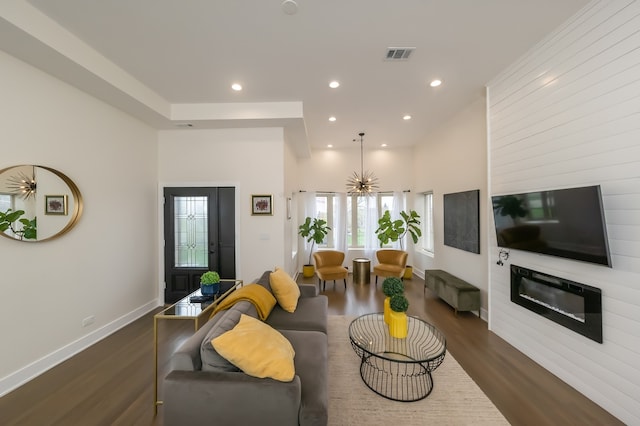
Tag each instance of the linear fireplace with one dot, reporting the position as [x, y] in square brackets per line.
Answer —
[573, 305]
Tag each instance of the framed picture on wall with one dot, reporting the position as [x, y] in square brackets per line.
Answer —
[462, 220]
[55, 204]
[261, 205]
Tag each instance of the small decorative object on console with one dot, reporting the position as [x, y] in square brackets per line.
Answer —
[210, 283]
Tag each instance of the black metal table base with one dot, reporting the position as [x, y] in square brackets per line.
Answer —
[397, 369]
[406, 382]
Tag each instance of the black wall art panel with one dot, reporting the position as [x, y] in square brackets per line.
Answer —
[462, 220]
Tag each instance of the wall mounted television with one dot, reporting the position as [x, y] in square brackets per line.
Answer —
[567, 223]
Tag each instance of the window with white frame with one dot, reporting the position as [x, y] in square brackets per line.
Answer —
[427, 222]
[6, 202]
[356, 213]
[324, 211]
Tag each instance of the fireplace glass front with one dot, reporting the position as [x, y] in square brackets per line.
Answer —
[573, 305]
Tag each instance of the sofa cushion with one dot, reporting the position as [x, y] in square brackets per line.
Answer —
[257, 349]
[285, 289]
[223, 322]
[311, 314]
[311, 364]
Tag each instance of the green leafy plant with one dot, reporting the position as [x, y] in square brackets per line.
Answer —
[314, 230]
[392, 286]
[209, 278]
[394, 230]
[8, 220]
[399, 303]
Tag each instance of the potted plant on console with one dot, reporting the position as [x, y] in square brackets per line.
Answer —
[394, 230]
[314, 230]
[398, 325]
[390, 287]
[209, 283]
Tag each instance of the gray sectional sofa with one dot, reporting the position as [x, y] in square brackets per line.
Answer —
[204, 388]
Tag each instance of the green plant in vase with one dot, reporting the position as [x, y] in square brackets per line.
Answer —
[398, 324]
[209, 283]
[390, 287]
[395, 230]
[315, 231]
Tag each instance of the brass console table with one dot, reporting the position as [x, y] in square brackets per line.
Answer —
[183, 309]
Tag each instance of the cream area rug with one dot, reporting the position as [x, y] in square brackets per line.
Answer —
[455, 399]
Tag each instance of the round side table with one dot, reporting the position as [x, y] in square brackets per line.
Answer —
[361, 271]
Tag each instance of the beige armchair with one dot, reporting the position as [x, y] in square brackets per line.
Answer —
[329, 267]
[391, 263]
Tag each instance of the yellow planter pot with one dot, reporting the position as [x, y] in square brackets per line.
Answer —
[398, 325]
[308, 271]
[387, 309]
[408, 272]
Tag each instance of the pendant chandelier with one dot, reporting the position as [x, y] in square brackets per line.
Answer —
[364, 183]
[22, 185]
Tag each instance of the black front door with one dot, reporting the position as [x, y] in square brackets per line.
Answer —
[199, 236]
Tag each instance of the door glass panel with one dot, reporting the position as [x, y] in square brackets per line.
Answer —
[191, 231]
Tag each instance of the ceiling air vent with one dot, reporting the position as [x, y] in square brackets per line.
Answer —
[398, 53]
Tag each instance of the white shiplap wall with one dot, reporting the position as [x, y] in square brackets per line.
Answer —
[568, 114]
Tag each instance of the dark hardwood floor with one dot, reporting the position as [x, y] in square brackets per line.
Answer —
[111, 383]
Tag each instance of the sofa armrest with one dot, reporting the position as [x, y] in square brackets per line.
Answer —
[308, 290]
[206, 397]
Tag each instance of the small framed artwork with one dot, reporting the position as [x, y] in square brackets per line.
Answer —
[261, 205]
[55, 204]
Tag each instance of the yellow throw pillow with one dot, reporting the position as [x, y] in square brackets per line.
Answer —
[257, 349]
[285, 289]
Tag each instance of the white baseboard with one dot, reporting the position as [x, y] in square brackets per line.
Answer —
[36, 368]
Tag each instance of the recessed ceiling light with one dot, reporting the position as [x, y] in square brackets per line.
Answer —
[435, 83]
[236, 86]
[329, 146]
[384, 145]
[406, 117]
[334, 84]
[332, 119]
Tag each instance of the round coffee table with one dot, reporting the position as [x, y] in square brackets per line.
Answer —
[398, 369]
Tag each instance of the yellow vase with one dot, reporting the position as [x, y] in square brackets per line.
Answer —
[398, 325]
[387, 309]
[308, 271]
[408, 272]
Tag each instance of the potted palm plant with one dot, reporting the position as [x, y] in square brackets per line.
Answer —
[398, 326]
[393, 230]
[390, 287]
[209, 283]
[314, 230]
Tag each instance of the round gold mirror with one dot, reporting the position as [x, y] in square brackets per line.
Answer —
[37, 203]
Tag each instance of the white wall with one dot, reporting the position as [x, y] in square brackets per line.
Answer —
[252, 160]
[48, 288]
[568, 114]
[453, 159]
[328, 169]
[291, 178]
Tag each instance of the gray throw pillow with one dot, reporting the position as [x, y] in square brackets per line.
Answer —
[225, 321]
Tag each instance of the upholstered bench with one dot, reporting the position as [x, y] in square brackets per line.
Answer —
[458, 293]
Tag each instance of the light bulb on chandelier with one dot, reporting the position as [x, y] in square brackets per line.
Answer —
[364, 183]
